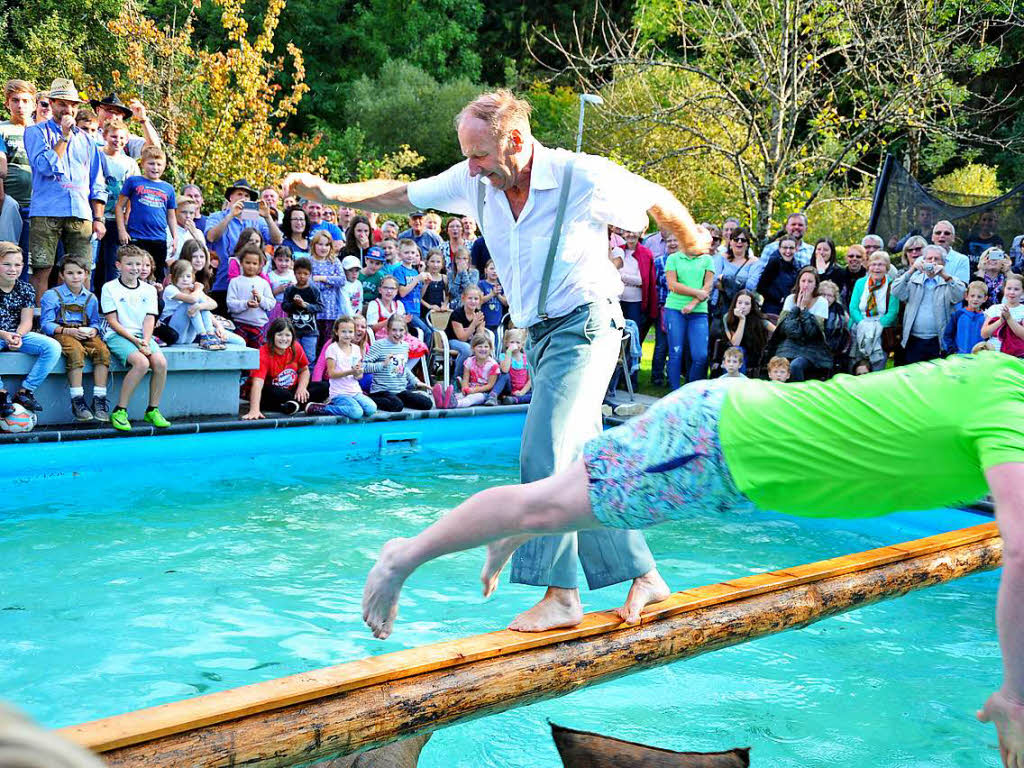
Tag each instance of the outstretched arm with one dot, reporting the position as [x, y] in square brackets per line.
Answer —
[377, 195]
[675, 217]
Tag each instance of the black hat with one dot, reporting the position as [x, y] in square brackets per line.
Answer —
[241, 184]
[112, 102]
[416, 215]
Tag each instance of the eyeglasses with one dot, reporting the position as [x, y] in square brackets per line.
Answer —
[740, 240]
[919, 248]
[942, 232]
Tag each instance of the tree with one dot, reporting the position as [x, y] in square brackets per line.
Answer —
[44, 39]
[796, 96]
[404, 105]
[221, 114]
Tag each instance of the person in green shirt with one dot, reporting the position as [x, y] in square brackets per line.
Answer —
[686, 314]
[701, 449]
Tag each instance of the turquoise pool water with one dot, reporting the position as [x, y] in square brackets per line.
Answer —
[120, 590]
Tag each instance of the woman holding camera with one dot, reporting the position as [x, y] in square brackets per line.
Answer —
[930, 295]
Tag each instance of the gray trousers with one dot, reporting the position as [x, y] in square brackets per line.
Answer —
[571, 360]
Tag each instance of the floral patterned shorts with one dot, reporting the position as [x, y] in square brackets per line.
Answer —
[665, 464]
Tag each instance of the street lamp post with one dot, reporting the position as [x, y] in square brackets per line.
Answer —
[585, 98]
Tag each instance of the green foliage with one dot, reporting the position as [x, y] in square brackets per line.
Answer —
[349, 156]
[404, 105]
[553, 119]
[44, 39]
[972, 179]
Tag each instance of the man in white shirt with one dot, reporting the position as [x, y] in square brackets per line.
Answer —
[957, 264]
[513, 186]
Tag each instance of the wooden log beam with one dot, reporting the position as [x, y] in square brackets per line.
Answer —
[370, 702]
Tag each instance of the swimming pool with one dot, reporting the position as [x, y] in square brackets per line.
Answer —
[249, 566]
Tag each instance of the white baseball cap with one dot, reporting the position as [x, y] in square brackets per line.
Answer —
[350, 262]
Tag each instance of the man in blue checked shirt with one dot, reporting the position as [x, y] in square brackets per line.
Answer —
[69, 189]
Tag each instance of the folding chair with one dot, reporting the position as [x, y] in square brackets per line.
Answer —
[624, 350]
[439, 350]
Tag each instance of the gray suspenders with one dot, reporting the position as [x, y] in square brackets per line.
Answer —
[556, 235]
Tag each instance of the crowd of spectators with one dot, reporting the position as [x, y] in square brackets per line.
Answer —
[349, 313]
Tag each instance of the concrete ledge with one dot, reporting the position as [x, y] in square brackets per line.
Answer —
[199, 383]
[79, 432]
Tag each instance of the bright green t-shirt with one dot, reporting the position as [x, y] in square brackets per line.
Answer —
[689, 272]
[841, 448]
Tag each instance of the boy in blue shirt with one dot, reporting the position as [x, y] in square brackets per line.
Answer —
[410, 286]
[17, 307]
[145, 210]
[963, 330]
[70, 313]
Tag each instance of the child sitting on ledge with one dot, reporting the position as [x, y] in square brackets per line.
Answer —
[70, 313]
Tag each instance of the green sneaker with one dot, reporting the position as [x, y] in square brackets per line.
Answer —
[119, 420]
[154, 417]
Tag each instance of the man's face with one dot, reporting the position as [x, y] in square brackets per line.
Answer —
[21, 106]
[238, 194]
[315, 211]
[468, 227]
[870, 246]
[727, 229]
[497, 159]
[389, 231]
[104, 113]
[417, 225]
[62, 107]
[270, 197]
[344, 216]
[796, 226]
[195, 195]
[925, 217]
[942, 234]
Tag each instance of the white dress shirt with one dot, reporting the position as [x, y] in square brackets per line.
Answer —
[601, 193]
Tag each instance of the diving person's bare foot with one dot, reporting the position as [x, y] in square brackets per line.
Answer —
[558, 608]
[383, 585]
[646, 589]
[498, 554]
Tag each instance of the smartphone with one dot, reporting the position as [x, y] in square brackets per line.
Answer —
[250, 211]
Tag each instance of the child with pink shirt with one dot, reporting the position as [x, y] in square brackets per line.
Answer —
[344, 370]
[480, 372]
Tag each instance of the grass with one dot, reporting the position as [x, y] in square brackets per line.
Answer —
[646, 388]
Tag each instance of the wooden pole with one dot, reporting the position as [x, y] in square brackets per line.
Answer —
[367, 703]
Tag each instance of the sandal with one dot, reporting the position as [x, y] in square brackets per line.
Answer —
[210, 342]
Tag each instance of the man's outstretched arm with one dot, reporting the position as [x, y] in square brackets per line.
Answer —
[675, 217]
[377, 195]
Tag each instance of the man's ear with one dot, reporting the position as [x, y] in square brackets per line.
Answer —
[515, 139]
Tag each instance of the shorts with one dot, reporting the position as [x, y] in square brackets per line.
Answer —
[122, 349]
[46, 232]
[664, 465]
[75, 351]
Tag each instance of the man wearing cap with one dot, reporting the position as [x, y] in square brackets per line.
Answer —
[224, 227]
[69, 188]
[374, 270]
[20, 100]
[111, 105]
[545, 214]
[419, 234]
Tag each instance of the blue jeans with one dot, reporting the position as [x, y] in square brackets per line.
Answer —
[47, 353]
[571, 358]
[351, 406]
[308, 344]
[503, 386]
[660, 353]
[188, 327]
[691, 329]
[464, 352]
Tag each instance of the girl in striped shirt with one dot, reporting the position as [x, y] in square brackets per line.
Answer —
[394, 386]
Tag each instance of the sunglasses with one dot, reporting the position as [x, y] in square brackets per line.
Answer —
[740, 240]
[919, 248]
[44, 104]
[942, 232]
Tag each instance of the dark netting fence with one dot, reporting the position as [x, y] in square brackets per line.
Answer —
[903, 207]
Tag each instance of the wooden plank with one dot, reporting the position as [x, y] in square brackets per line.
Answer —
[156, 722]
[369, 716]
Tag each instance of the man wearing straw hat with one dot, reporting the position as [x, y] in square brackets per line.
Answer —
[69, 188]
[545, 214]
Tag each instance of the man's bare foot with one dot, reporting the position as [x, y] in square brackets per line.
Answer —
[646, 589]
[498, 554]
[558, 608]
[1008, 717]
[383, 585]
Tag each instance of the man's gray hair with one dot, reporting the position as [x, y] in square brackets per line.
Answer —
[876, 239]
[795, 215]
[947, 223]
[500, 109]
[937, 248]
